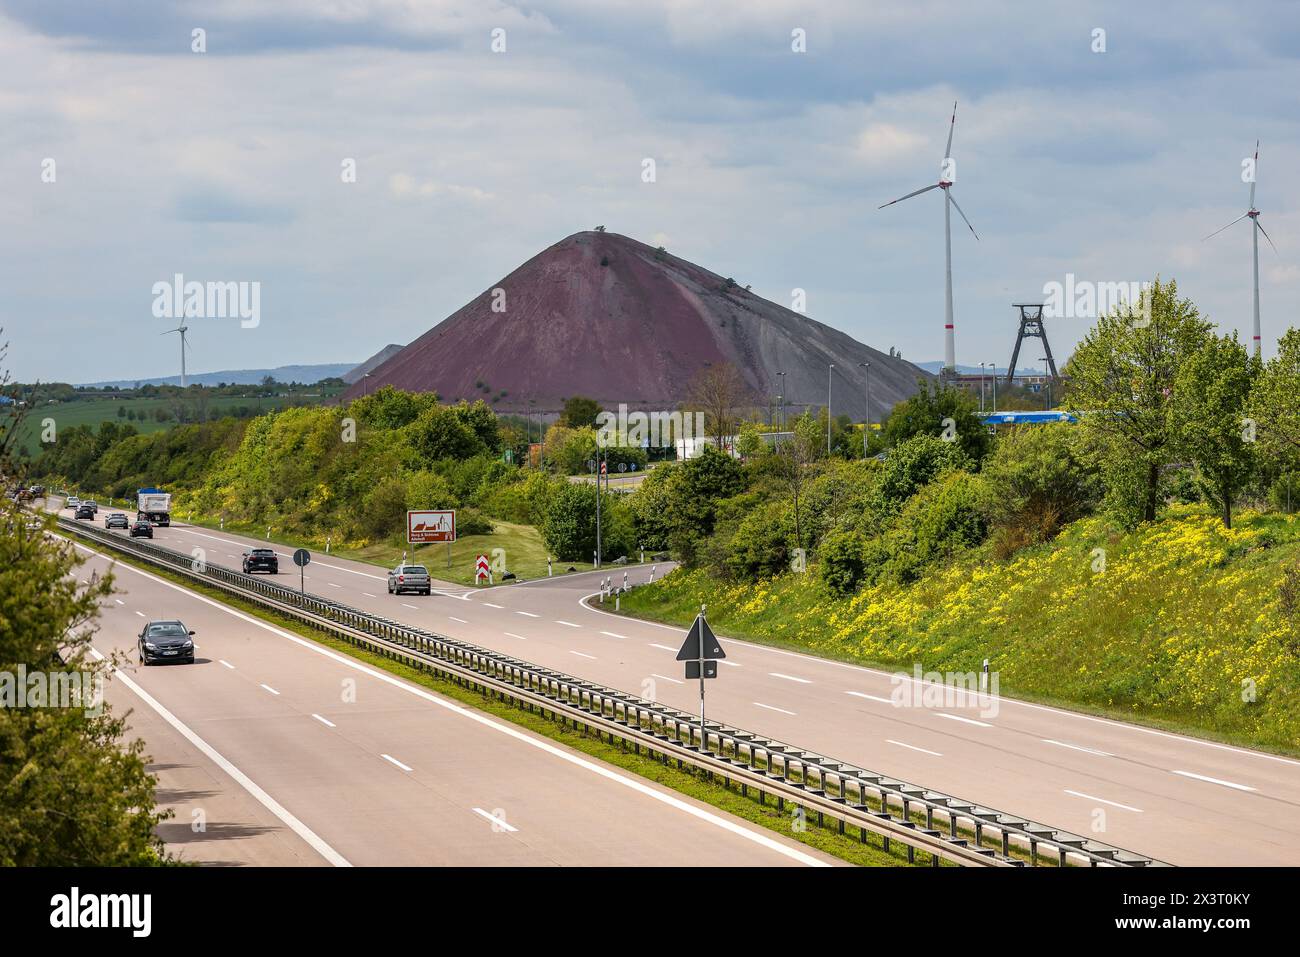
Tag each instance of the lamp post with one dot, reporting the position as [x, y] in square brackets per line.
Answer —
[1047, 380]
[830, 371]
[866, 394]
[995, 386]
[982, 386]
[782, 397]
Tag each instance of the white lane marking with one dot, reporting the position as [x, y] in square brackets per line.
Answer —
[729, 664]
[461, 620]
[119, 601]
[612, 634]
[332, 585]
[664, 647]
[527, 614]
[412, 607]
[511, 634]
[242, 779]
[496, 821]
[777, 674]
[665, 678]
[1078, 747]
[1089, 797]
[569, 623]
[957, 717]
[488, 604]
[389, 757]
[325, 721]
[862, 669]
[350, 571]
[368, 595]
[1226, 784]
[582, 655]
[142, 614]
[913, 747]
[226, 663]
[270, 689]
[541, 744]
[870, 697]
[769, 707]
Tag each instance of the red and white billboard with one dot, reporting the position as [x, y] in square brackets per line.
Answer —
[425, 526]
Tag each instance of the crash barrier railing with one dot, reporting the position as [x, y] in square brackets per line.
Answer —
[939, 825]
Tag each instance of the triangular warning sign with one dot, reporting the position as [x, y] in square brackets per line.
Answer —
[690, 650]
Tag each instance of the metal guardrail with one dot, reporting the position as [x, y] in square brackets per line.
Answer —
[855, 797]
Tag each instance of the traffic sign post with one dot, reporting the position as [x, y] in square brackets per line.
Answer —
[701, 652]
[482, 570]
[302, 558]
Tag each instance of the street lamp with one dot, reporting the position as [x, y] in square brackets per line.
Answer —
[829, 372]
[1047, 379]
[982, 386]
[994, 367]
[782, 397]
[866, 394]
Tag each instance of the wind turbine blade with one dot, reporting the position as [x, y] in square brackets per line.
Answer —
[1266, 236]
[960, 213]
[1254, 175]
[1222, 228]
[918, 192]
[947, 150]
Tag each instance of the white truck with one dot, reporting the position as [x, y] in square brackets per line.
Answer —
[154, 506]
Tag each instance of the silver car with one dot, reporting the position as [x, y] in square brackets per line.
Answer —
[409, 578]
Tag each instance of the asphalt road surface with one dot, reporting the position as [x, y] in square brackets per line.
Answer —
[1176, 798]
[274, 750]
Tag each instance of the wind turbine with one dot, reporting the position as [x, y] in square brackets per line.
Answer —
[182, 329]
[947, 174]
[1253, 215]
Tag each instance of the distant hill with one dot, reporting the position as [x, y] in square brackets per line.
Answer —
[602, 315]
[383, 355]
[304, 374]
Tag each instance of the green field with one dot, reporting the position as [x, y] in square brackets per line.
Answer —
[94, 411]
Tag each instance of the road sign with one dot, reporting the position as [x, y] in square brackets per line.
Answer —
[693, 669]
[482, 569]
[426, 525]
[700, 651]
[690, 650]
[302, 557]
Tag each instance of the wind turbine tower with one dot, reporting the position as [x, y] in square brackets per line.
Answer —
[182, 329]
[1253, 215]
[947, 175]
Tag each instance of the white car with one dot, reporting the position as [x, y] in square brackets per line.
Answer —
[72, 502]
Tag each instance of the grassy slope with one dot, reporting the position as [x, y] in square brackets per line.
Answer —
[1183, 614]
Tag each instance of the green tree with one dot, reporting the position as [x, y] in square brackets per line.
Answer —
[925, 413]
[73, 790]
[580, 412]
[1275, 403]
[570, 527]
[1122, 383]
[1208, 413]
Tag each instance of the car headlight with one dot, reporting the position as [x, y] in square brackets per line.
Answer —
[188, 643]
[151, 646]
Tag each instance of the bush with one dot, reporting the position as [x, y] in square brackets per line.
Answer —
[911, 465]
[1284, 494]
[843, 557]
[1038, 479]
[760, 546]
[570, 527]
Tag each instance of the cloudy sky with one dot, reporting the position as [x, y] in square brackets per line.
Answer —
[227, 165]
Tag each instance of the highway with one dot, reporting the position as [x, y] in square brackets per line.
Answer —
[1179, 799]
[296, 755]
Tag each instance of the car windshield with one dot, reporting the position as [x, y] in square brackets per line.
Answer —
[167, 629]
[263, 552]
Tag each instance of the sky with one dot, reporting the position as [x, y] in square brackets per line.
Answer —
[482, 132]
